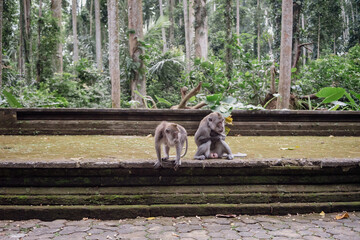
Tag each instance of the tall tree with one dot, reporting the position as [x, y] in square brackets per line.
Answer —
[98, 36]
[138, 81]
[114, 64]
[38, 61]
[238, 19]
[91, 17]
[163, 29]
[56, 12]
[258, 29]
[75, 37]
[201, 29]
[285, 54]
[171, 19]
[191, 15]
[228, 54]
[187, 37]
[25, 39]
[1, 20]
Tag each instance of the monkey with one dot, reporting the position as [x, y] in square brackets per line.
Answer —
[170, 135]
[210, 138]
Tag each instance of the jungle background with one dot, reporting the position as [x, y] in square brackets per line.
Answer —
[81, 53]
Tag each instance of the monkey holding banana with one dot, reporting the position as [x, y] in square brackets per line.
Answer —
[210, 138]
[170, 135]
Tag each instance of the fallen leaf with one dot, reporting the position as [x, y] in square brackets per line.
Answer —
[288, 148]
[225, 215]
[342, 216]
[322, 214]
[150, 218]
[149, 136]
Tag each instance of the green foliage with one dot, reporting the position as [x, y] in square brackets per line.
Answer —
[333, 70]
[12, 101]
[333, 95]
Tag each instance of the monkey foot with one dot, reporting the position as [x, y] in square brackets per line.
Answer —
[201, 157]
[157, 165]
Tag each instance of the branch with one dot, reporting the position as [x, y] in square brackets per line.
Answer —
[186, 98]
[298, 52]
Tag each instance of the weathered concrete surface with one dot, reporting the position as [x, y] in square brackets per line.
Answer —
[308, 227]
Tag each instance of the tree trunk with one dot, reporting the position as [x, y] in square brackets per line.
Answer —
[304, 49]
[171, 19]
[39, 57]
[162, 29]
[187, 38]
[296, 30]
[191, 30]
[91, 17]
[138, 81]
[1, 20]
[98, 35]
[238, 20]
[25, 39]
[334, 44]
[228, 56]
[285, 55]
[56, 13]
[75, 37]
[201, 30]
[258, 29]
[114, 64]
[318, 40]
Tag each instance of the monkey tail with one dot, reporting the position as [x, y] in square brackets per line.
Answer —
[186, 148]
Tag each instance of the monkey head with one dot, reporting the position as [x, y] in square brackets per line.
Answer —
[216, 122]
[172, 133]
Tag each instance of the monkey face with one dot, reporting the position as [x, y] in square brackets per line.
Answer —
[216, 123]
[173, 135]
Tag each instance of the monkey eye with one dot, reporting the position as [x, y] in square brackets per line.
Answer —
[210, 119]
[167, 130]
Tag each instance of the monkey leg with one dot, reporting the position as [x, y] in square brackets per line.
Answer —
[166, 150]
[226, 149]
[158, 154]
[203, 151]
[222, 147]
[179, 147]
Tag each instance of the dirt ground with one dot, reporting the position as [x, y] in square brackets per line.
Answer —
[47, 148]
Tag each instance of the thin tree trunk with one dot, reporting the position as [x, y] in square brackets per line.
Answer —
[258, 30]
[285, 54]
[334, 44]
[1, 20]
[162, 29]
[39, 59]
[98, 36]
[304, 49]
[90, 16]
[75, 38]
[318, 40]
[191, 29]
[228, 56]
[114, 62]
[21, 54]
[171, 19]
[138, 81]
[238, 20]
[201, 30]
[187, 38]
[56, 13]
[296, 31]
